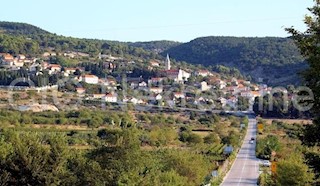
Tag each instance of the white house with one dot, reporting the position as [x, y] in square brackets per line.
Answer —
[158, 97]
[204, 86]
[156, 90]
[203, 73]
[111, 97]
[90, 79]
[142, 84]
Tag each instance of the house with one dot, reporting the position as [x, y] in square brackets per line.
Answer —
[70, 70]
[247, 94]
[155, 80]
[158, 97]
[220, 84]
[18, 63]
[156, 90]
[178, 75]
[178, 95]
[143, 84]
[154, 63]
[98, 96]
[111, 97]
[204, 86]
[80, 90]
[7, 57]
[70, 54]
[223, 101]
[54, 68]
[48, 54]
[90, 79]
[203, 73]
[21, 57]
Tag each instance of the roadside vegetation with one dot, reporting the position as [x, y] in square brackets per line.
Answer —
[281, 143]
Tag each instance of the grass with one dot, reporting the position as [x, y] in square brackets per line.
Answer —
[290, 121]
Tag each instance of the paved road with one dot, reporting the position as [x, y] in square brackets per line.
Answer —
[245, 170]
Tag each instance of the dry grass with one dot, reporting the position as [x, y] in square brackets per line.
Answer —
[290, 121]
[202, 133]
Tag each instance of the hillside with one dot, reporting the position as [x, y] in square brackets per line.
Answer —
[155, 46]
[20, 28]
[276, 60]
[24, 38]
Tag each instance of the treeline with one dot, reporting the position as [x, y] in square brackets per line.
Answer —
[22, 77]
[277, 106]
[21, 38]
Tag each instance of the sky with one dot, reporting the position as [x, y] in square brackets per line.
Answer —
[148, 20]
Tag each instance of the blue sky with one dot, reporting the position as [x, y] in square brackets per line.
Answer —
[146, 20]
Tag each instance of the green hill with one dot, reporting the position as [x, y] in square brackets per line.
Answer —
[155, 46]
[24, 38]
[20, 28]
[276, 60]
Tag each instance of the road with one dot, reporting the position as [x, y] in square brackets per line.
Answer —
[245, 170]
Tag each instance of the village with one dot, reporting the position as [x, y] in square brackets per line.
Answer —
[167, 86]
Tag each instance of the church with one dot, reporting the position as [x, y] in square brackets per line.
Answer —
[178, 75]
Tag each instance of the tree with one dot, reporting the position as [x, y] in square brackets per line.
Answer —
[309, 44]
[293, 171]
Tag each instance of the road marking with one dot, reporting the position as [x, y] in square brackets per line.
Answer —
[244, 165]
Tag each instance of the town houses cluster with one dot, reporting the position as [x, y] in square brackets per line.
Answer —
[171, 86]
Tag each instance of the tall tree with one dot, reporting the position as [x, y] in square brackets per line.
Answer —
[309, 44]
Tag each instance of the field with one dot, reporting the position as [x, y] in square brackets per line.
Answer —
[290, 121]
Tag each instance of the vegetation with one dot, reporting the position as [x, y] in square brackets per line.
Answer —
[95, 147]
[276, 106]
[308, 43]
[267, 58]
[155, 46]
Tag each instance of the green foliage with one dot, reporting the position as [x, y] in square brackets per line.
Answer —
[293, 171]
[28, 159]
[212, 138]
[18, 45]
[190, 137]
[276, 106]
[269, 58]
[266, 145]
[156, 46]
[308, 43]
